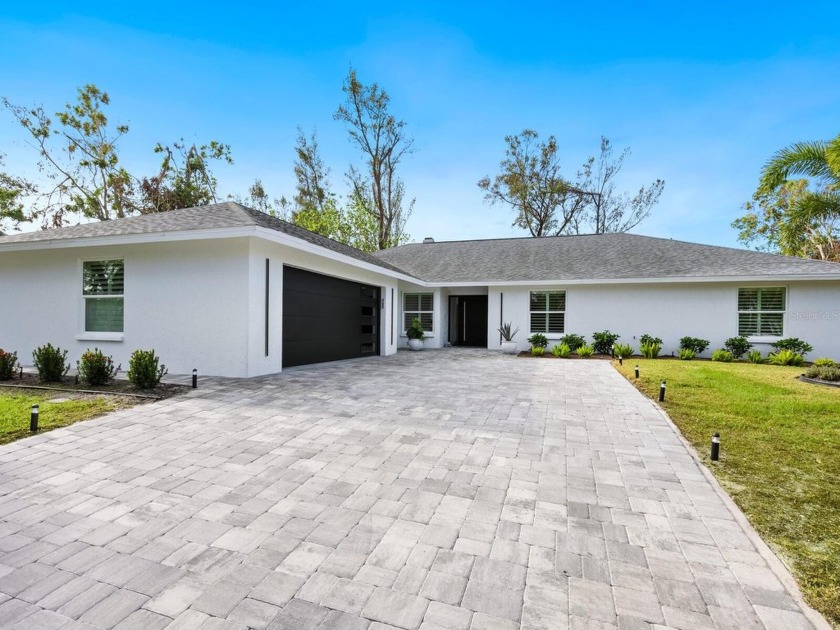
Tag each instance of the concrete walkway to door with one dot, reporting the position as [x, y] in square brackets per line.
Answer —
[453, 489]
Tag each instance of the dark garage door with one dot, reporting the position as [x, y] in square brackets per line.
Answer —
[327, 319]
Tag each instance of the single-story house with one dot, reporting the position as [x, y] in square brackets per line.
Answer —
[234, 292]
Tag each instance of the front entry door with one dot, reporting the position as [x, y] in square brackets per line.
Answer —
[472, 321]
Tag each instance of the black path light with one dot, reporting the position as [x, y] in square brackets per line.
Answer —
[33, 419]
[716, 446]
[637, 371]
[620, 360]
[662, 391]
[195, 379]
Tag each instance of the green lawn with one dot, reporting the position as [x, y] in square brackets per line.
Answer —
[780, 456]
[15, 410]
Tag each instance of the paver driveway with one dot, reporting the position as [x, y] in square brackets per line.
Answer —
[450, 489]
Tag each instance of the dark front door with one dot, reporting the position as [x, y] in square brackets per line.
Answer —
[327, 319]
[471, 324]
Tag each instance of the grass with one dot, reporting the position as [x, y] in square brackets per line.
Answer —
[15, 410]
[780, 456]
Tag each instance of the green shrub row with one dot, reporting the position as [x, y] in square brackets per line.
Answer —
[789, 351]
[94, 367]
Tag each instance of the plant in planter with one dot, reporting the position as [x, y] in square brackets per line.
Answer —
[508, 344]
[415, 334]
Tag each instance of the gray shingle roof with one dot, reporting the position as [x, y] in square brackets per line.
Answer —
[604, 256]
[216, 216]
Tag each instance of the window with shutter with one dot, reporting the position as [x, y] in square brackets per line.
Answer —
[548, 312]
[103, 285]
[761, 312]
[420, 305]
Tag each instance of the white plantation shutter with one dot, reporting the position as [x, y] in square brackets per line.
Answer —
[761, 311]
[103, 286]
[548, 312]
[420, 305]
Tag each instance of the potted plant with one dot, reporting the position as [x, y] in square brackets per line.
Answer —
[508, 344]
[415, 334]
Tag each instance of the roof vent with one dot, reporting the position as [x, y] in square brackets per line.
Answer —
[428, 239]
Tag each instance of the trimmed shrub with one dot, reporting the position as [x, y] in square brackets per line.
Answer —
[737, 346]
[650, 350]
[785, 357]
[561, 351]
[824, 372]
[694, 343]
[537, 351]
[687, 354]
[724, 356]
[573, 341]
[585, 351]
[623, 350]
[754, 356]
[603, 342]
[143, 369]
[8, 363]
[51, 363]
[95, 368]
[824, 362]
[797, 346]
[649, 339]
[538, 340]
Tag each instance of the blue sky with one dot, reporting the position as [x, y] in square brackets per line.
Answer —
[703, 93]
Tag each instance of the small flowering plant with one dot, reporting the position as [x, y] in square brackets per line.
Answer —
[95, 368]
[8, 363]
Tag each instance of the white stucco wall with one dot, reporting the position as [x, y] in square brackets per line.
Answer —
[188, 301]
[199, 303]
[672, 311]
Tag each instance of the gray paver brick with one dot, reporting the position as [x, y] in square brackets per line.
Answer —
[114, 608]
[577, 482]
[396, 609]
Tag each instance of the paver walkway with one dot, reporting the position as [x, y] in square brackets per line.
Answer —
[438, 490]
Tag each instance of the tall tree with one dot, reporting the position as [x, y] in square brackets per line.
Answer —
[78, 157]
[605, 209]
[13, 189]
[530, 182]
[185, 179]
[382, 140]
[799, 217]
[259, 199]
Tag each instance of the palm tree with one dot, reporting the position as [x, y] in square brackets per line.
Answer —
[812, 224]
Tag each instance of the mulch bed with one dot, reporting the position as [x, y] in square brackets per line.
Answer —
[117, 387]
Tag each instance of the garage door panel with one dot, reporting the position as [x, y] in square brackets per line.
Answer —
[327, 319]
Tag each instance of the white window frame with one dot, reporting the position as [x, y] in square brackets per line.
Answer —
[416, 313]
[761, 338]
[86, 335]
[548, 311]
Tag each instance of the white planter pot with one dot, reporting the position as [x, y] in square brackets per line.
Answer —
[415, 344]
[509, 347]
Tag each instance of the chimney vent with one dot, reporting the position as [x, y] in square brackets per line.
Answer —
[428, 239]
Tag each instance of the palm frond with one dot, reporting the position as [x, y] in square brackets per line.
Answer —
[801, 158]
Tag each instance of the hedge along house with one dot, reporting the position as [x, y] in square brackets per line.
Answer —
[234, 292]
[626, 283]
